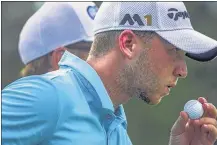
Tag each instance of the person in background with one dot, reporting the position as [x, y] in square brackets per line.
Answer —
[54, 28]
[138, 52]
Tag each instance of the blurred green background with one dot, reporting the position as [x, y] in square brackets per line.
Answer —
[147, 125]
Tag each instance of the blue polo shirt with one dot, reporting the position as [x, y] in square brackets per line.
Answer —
[69, 106]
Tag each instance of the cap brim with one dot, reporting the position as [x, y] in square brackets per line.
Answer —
[196, 45]
[89, 39]
[85, 39]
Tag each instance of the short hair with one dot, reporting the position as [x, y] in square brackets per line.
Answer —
[38, 66]
[105, 41]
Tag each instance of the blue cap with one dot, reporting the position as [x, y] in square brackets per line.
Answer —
[54, 25]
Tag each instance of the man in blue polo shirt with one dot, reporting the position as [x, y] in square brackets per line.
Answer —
[80, 104]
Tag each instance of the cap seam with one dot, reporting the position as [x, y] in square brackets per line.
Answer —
[41, 40]
[118, 12]
[158, 16]
[77, 15]
[39, 33]
[133, 28]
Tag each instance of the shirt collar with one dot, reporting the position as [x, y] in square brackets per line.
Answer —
[90, 74]
[121, 114]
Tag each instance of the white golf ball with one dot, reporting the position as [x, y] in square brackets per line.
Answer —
[194, 109]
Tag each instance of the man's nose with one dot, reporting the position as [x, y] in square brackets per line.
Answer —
[181, 70]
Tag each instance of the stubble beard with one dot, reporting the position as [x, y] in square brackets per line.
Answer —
[137, 80]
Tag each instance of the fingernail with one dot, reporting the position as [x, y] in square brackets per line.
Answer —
[204, 100]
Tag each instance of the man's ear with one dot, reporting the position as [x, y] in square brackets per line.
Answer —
[56, 56]
[127, 41]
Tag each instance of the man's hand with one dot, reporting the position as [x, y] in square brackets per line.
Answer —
[196, 132]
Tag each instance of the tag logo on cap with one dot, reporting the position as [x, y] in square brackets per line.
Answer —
[136, 19]
[175, 14]
[92, 10]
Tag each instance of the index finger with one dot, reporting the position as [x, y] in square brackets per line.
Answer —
[202, 100]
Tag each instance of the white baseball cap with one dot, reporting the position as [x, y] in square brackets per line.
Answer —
[170, 20]
[56, 24]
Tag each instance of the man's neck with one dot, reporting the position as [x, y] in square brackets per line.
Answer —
[107, 68]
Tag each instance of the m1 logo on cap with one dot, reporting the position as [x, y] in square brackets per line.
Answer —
[136, 19]
[92, 10]
[175, 14]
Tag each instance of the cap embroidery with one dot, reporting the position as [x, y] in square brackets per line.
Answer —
[136, 19]
[175, 14]
[92, 10]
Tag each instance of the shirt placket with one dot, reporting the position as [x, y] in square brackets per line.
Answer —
[113, 122]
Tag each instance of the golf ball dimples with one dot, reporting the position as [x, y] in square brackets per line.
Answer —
[194, 109]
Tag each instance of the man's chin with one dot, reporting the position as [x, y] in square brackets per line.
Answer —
[151, 100]
[155, 101]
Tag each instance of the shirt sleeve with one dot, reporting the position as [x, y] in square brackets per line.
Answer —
[29, 111]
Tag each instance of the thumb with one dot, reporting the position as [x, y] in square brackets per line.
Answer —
[179, 126]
